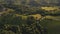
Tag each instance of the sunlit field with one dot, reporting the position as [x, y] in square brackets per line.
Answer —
[50, 8]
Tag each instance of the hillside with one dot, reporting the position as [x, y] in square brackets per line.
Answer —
[29, 17]
[32, 2]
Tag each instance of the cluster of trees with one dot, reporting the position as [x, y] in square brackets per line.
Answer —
[12, 24]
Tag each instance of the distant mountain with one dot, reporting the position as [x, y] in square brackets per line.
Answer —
[32, 2]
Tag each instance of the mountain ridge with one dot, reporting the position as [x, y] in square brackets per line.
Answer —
[32, 2]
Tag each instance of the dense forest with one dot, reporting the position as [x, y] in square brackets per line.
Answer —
[20, 18]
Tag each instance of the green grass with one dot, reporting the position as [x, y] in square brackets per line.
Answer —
[53, 26]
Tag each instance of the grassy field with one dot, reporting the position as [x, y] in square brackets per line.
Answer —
[52, 24]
